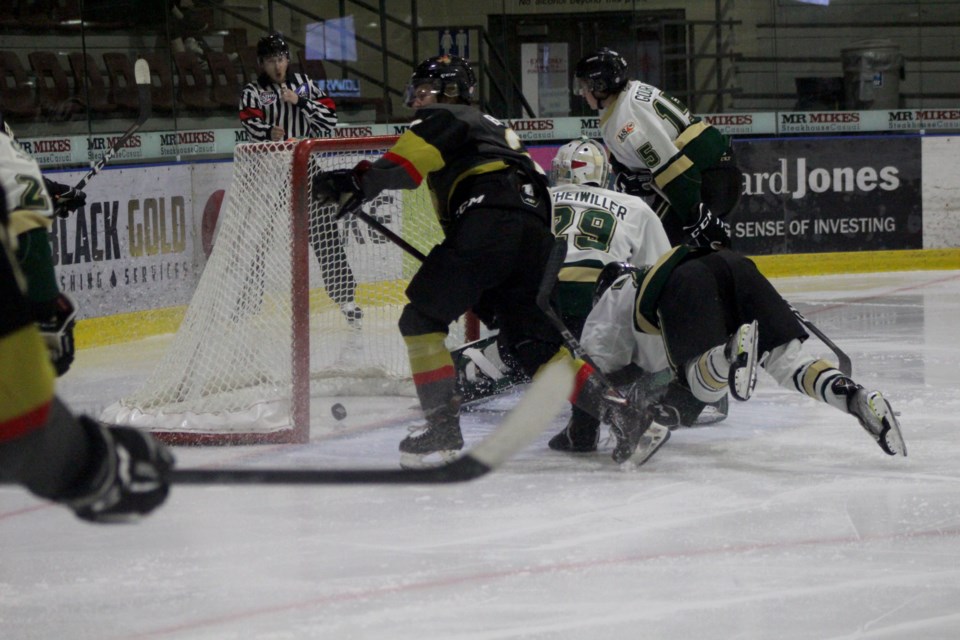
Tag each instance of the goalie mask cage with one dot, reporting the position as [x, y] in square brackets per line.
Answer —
[264, 332]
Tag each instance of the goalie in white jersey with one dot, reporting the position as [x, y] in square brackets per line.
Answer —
[600, 225]
[657, 144]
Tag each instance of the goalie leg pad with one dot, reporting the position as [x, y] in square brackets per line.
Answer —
[481, 372]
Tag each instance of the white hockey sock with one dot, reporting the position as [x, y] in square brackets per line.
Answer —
[707, 375]
[793, 369]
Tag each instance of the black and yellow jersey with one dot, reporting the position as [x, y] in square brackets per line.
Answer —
[448, 145]
[26, 375]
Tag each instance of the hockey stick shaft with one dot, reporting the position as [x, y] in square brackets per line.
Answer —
[558, 253]
[142, 76]
[352, 206]
[543, 400]
[843, 360]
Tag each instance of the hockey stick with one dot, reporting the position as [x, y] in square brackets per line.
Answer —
[141, 73]
[558, 253]
[353, 207]
[543, 400]
[843, 360]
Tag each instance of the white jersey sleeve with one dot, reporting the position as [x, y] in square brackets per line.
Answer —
[609, 335]
[28, 202]
[604, 226]
[641, 127]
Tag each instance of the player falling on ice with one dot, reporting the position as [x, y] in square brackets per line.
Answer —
[719, 318]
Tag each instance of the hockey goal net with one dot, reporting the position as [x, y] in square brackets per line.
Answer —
[269, 327]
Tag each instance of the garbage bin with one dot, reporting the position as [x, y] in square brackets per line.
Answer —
[872, 70]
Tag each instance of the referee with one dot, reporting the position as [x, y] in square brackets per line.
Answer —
[280, 106]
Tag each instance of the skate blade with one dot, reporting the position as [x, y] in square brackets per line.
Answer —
[890, 439]
[744, 379]
[654, 438]
[426, 461]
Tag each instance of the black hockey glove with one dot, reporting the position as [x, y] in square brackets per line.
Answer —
[708, 231]
[66, 199]
[129, 478]
[634, 183]
[57, 332]
[339, 185]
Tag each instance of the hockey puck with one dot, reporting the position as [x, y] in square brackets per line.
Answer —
[338, 411]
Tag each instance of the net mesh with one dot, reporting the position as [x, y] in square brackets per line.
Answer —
[231, 368]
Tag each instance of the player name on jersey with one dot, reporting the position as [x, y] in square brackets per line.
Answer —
[593, 199]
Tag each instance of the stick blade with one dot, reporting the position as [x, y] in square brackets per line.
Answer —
[141, 71]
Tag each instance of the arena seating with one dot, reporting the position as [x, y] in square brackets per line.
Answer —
[56, 86]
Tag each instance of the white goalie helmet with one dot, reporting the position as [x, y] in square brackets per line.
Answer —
[582, 161]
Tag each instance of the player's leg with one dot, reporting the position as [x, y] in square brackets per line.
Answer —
[338, 278]
[480, 253]
[782, 335]
[794, 369]
[709, 344]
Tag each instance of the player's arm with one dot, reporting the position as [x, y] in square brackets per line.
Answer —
[404, 166]
[55, 312]
[101, 473]
[319, 108]
[66, 199]
[434, 136]
[251, 114]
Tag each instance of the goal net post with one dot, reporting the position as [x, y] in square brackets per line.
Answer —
[293, 304]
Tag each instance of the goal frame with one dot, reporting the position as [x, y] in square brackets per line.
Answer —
[284, 415]
[299, 433]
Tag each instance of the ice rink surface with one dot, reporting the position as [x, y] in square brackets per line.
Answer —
[785, 521]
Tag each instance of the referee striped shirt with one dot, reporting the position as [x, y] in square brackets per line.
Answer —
[262, 108]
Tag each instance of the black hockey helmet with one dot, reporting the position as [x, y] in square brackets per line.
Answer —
[602, 73]
[612, 272]
[272, 45]
[446, 75]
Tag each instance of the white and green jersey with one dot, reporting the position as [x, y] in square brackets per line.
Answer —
[612, 338]
[645, 128]
[28, 202]
[642, 126]
[601, 226]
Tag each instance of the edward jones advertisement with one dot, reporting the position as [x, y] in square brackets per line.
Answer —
[828, 194]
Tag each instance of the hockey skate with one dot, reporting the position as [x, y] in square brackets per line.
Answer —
[875, 415]
[741, 352]
[581, 434]
[437, 442]
[638, 436]
[353, 314]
